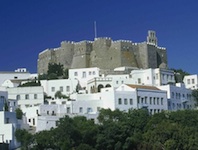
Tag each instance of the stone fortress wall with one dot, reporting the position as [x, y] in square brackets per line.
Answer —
[105, 53]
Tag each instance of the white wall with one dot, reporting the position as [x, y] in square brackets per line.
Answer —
[27, 96]
[67, 86]
[178, 96]
[83, 75]
[13, 75]
[191, 81]
[8, 126]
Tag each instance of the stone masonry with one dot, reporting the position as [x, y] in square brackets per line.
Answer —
[105, 53]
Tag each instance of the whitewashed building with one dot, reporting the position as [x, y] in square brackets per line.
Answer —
[155, 77]
[8, 123]
[124, 97]
[82, 75]
[65, 86]
[179, 97]
[191, 81]
[5, 75]
[96, 84]
[135, 97]
[8, 126]
[27, 96]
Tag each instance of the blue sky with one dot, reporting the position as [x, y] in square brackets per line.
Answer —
[28, 27]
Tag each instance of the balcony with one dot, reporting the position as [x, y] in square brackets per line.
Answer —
[184, 100]
[142, 105]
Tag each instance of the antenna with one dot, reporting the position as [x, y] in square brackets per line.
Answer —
[95, 29]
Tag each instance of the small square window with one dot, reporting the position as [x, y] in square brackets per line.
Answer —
[125, 101]
[61, 89]
[75, 73]
[26, 96]
[119, 101]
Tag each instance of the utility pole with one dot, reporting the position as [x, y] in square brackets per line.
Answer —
[95, 30]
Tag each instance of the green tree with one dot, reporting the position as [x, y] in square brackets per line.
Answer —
[32, 83]
[66, 74]
[55, 68]
[179, 75]
[24, 137]
[195, 96]
[19, 113]
[59, 95]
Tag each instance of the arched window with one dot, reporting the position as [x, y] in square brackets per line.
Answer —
[100, 86]
[108, 85]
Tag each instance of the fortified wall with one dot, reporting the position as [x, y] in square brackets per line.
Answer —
[105, 53]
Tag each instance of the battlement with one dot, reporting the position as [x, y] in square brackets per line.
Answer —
[67, 42]
[102, 38]
[122, 41]
[101, 50]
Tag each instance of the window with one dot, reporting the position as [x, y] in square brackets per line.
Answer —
[125, 101]
[64, 102]
[131, 101]
[89, 72]
[150, 100]
[173, 95]
[161, 101]
[188, 81]
[142, 100]
[35, 96]
[67, 88]
[80, 110]
[139, 81]
[145, 100]
[26, 96]
[154, 100]
[138, 99]
[89, 110]
[157, 101]
[53, 89]
[7, 120]
[156, 76]
[116, 82]
[119, 101]
[18, 97]
[84, 74]
[94, 72]
[75, 73]
[61, 89]
[193, 81]
[68, 109]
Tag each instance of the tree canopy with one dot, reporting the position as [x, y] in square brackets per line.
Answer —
[132, 130]
[55, 71]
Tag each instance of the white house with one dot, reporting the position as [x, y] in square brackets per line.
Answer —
[13, 75]
[191, 81]
[27, 96]
[82, 75]
[134, 97]
[65, 86]
[8, 123]
[96, 84]
[155, 77]
[179, 97]
[124, 97]
[8, 126]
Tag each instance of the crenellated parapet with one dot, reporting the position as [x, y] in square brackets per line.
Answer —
[105, 53]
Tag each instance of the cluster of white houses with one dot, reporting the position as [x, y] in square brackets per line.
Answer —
[87, 91]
